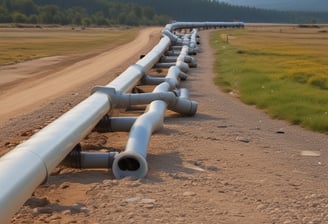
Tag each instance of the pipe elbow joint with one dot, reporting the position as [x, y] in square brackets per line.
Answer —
[185, 107]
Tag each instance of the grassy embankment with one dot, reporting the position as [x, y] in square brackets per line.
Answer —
[283, 70]
[25, 44]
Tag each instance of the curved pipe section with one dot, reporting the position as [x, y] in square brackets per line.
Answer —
[132, 162]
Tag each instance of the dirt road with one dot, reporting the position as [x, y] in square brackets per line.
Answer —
[230, 163]
[35, 90]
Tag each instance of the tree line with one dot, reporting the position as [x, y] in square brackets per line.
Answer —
[79, 12]
[141, 12]
[211, 10]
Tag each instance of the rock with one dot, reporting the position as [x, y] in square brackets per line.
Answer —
[310, 153]
[132, 200]
[147, 201]
[67, 212]
[55, 217]
[35, 211]
[189, 193]
[260, 207]
[280, 131]
[25, 133]
[149, 206]
[64, 185]
[84, 209]
[243, 139]
[135, 184]
[222, 126]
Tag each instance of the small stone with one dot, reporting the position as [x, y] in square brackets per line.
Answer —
[107, 182]
[280, 131]
[64, 185]
[67, 212]
[25, 133]
[310, 153]
[132, 200]
[149, 206]
[55, 217]
[222, 126]
[84, 209]
[260, 207]
[35, 211]
[189, 193]
[243, 139]
[147, 201]
[135, 184]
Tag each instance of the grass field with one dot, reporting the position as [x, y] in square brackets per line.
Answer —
[283, 70]
[25, 44]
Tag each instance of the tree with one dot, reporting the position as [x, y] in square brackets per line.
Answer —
[148, 12]
[33, 19]
[19, 17]
[47, 14]
[26, 7]
[4, 15]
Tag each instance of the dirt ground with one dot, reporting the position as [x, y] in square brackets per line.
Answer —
[230, 163]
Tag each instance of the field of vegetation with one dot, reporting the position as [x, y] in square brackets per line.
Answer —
[283, 70]
[25, 44]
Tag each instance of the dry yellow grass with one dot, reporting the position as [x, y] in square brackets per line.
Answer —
[25, 44]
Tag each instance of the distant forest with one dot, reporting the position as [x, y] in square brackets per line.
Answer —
[210, 10]
[141, 12]
[79, 12]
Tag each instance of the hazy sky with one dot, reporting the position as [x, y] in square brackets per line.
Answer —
[312, 5]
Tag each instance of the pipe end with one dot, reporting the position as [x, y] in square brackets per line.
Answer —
[129, 164]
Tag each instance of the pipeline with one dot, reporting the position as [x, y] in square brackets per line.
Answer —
[29, 164]
[132, 162]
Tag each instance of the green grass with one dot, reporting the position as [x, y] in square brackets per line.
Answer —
[284, 72]
[25, 44]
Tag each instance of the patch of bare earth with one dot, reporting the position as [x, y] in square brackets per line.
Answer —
[230, 163]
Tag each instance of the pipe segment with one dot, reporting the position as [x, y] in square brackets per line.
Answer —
[114, 124]
[184, 93]
[149, 80]
[29, 164]
[132, 162]
[184, 25]
[89, 160]
[122, 100]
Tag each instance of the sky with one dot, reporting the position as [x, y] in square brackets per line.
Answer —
[296, 5]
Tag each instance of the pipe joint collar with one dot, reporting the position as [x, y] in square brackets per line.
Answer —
[140, 68]
[115, 98]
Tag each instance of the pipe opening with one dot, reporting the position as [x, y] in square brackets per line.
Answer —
[129, 163]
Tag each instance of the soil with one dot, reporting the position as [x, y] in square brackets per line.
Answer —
[230, 163]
